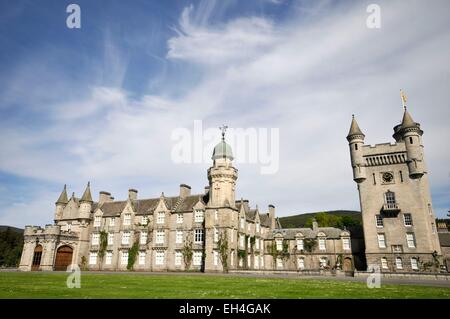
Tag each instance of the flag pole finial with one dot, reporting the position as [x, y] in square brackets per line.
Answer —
[403, 97]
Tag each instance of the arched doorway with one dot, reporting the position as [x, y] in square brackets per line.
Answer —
[36, 263]
[348, 264]
[63, 258]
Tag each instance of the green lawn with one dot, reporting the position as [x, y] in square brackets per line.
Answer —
[135, 285]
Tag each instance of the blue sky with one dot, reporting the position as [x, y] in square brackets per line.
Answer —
[99, 103]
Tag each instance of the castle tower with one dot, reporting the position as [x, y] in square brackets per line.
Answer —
[222, 175]
[60, 204]
[221, 216]
[398, 219]
[355, 139]
[86, 203]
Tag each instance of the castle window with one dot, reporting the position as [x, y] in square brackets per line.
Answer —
[374, 180]
[410, 240]
[93, 258]
[407, 218]
[346, 243]
[300, 244]
[384, 263]
[144, 220]
[381, 240]
[241, 240]
[401, 176]
[322, 244]
[198, 216]
[178, 258]
[108, 258]
[159, 258]
[429, 209]
[95, 238]
[242, 222]
[179, 218]
[126, 238]
[257, 243]
[198, 236]
[390, 199]
[179, 237]
[142, 258]
[279, 263]
[110, 238]
[356, 147]
[197, 258]
[216, 257]
[379, 220]
[127, 219]
[161, 218]
[143, 238]
[124, 258]
[97, 221]
[160, 236]
[257, 227]
[323, 262]
[256, 262]
[414, 264]
[279, 243]
[112, 221]
[301, 263]
[410, 140]
[216, 235]
[398, 263]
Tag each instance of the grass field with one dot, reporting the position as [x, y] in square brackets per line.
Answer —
[135, 285]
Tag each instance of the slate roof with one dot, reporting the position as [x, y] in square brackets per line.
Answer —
[290, 233]
[146, 206]
[444, 239]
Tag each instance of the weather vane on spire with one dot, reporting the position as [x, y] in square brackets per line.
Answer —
[403, 97]
[223, 128]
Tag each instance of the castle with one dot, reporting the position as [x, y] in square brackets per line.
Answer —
[212, 231]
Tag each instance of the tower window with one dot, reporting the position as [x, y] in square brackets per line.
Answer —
[379, 220]
[356, 147]
[410, 140]
[390, 199]
[401, 176]
[374, 180]
[407, 219]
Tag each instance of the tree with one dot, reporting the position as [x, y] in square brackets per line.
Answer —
[187, 253]
[103, 246]
[222, 246]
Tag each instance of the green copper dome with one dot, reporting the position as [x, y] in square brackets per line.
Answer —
[222, 150]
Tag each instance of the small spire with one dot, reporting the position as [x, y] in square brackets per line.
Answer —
[87, 197]
[354, 128]
[63, 197]
[223, 128]
[407, 120]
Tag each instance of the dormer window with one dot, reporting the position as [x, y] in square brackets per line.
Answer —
[300, 244]
[161, 218]
[97, 221]
[198, 216]
[257, 227]
[242, 222]
[322, 244]
[127, 219]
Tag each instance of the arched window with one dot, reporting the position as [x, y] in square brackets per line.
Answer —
[398, 263]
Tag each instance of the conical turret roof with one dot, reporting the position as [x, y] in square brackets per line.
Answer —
[407, 120]
[354, 128]
[87, 197]
[63, 197]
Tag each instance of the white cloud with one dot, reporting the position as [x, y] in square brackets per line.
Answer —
[304, 76]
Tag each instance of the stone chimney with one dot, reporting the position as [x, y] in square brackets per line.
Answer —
[272, 216]
[315, 225]
[104, 197]
[185, 190]
[132, 194]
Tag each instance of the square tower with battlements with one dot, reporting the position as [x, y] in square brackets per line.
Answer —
[398, 219]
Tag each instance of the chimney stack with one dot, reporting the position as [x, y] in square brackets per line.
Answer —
[132, 194]
[185, 190]
[272, 216]
[315, 225]
[104, 197]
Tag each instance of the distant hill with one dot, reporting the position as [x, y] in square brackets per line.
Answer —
[298, 221]
[14, 229]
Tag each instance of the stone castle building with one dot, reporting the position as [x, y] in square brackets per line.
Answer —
[213, 230]
[398, 218]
